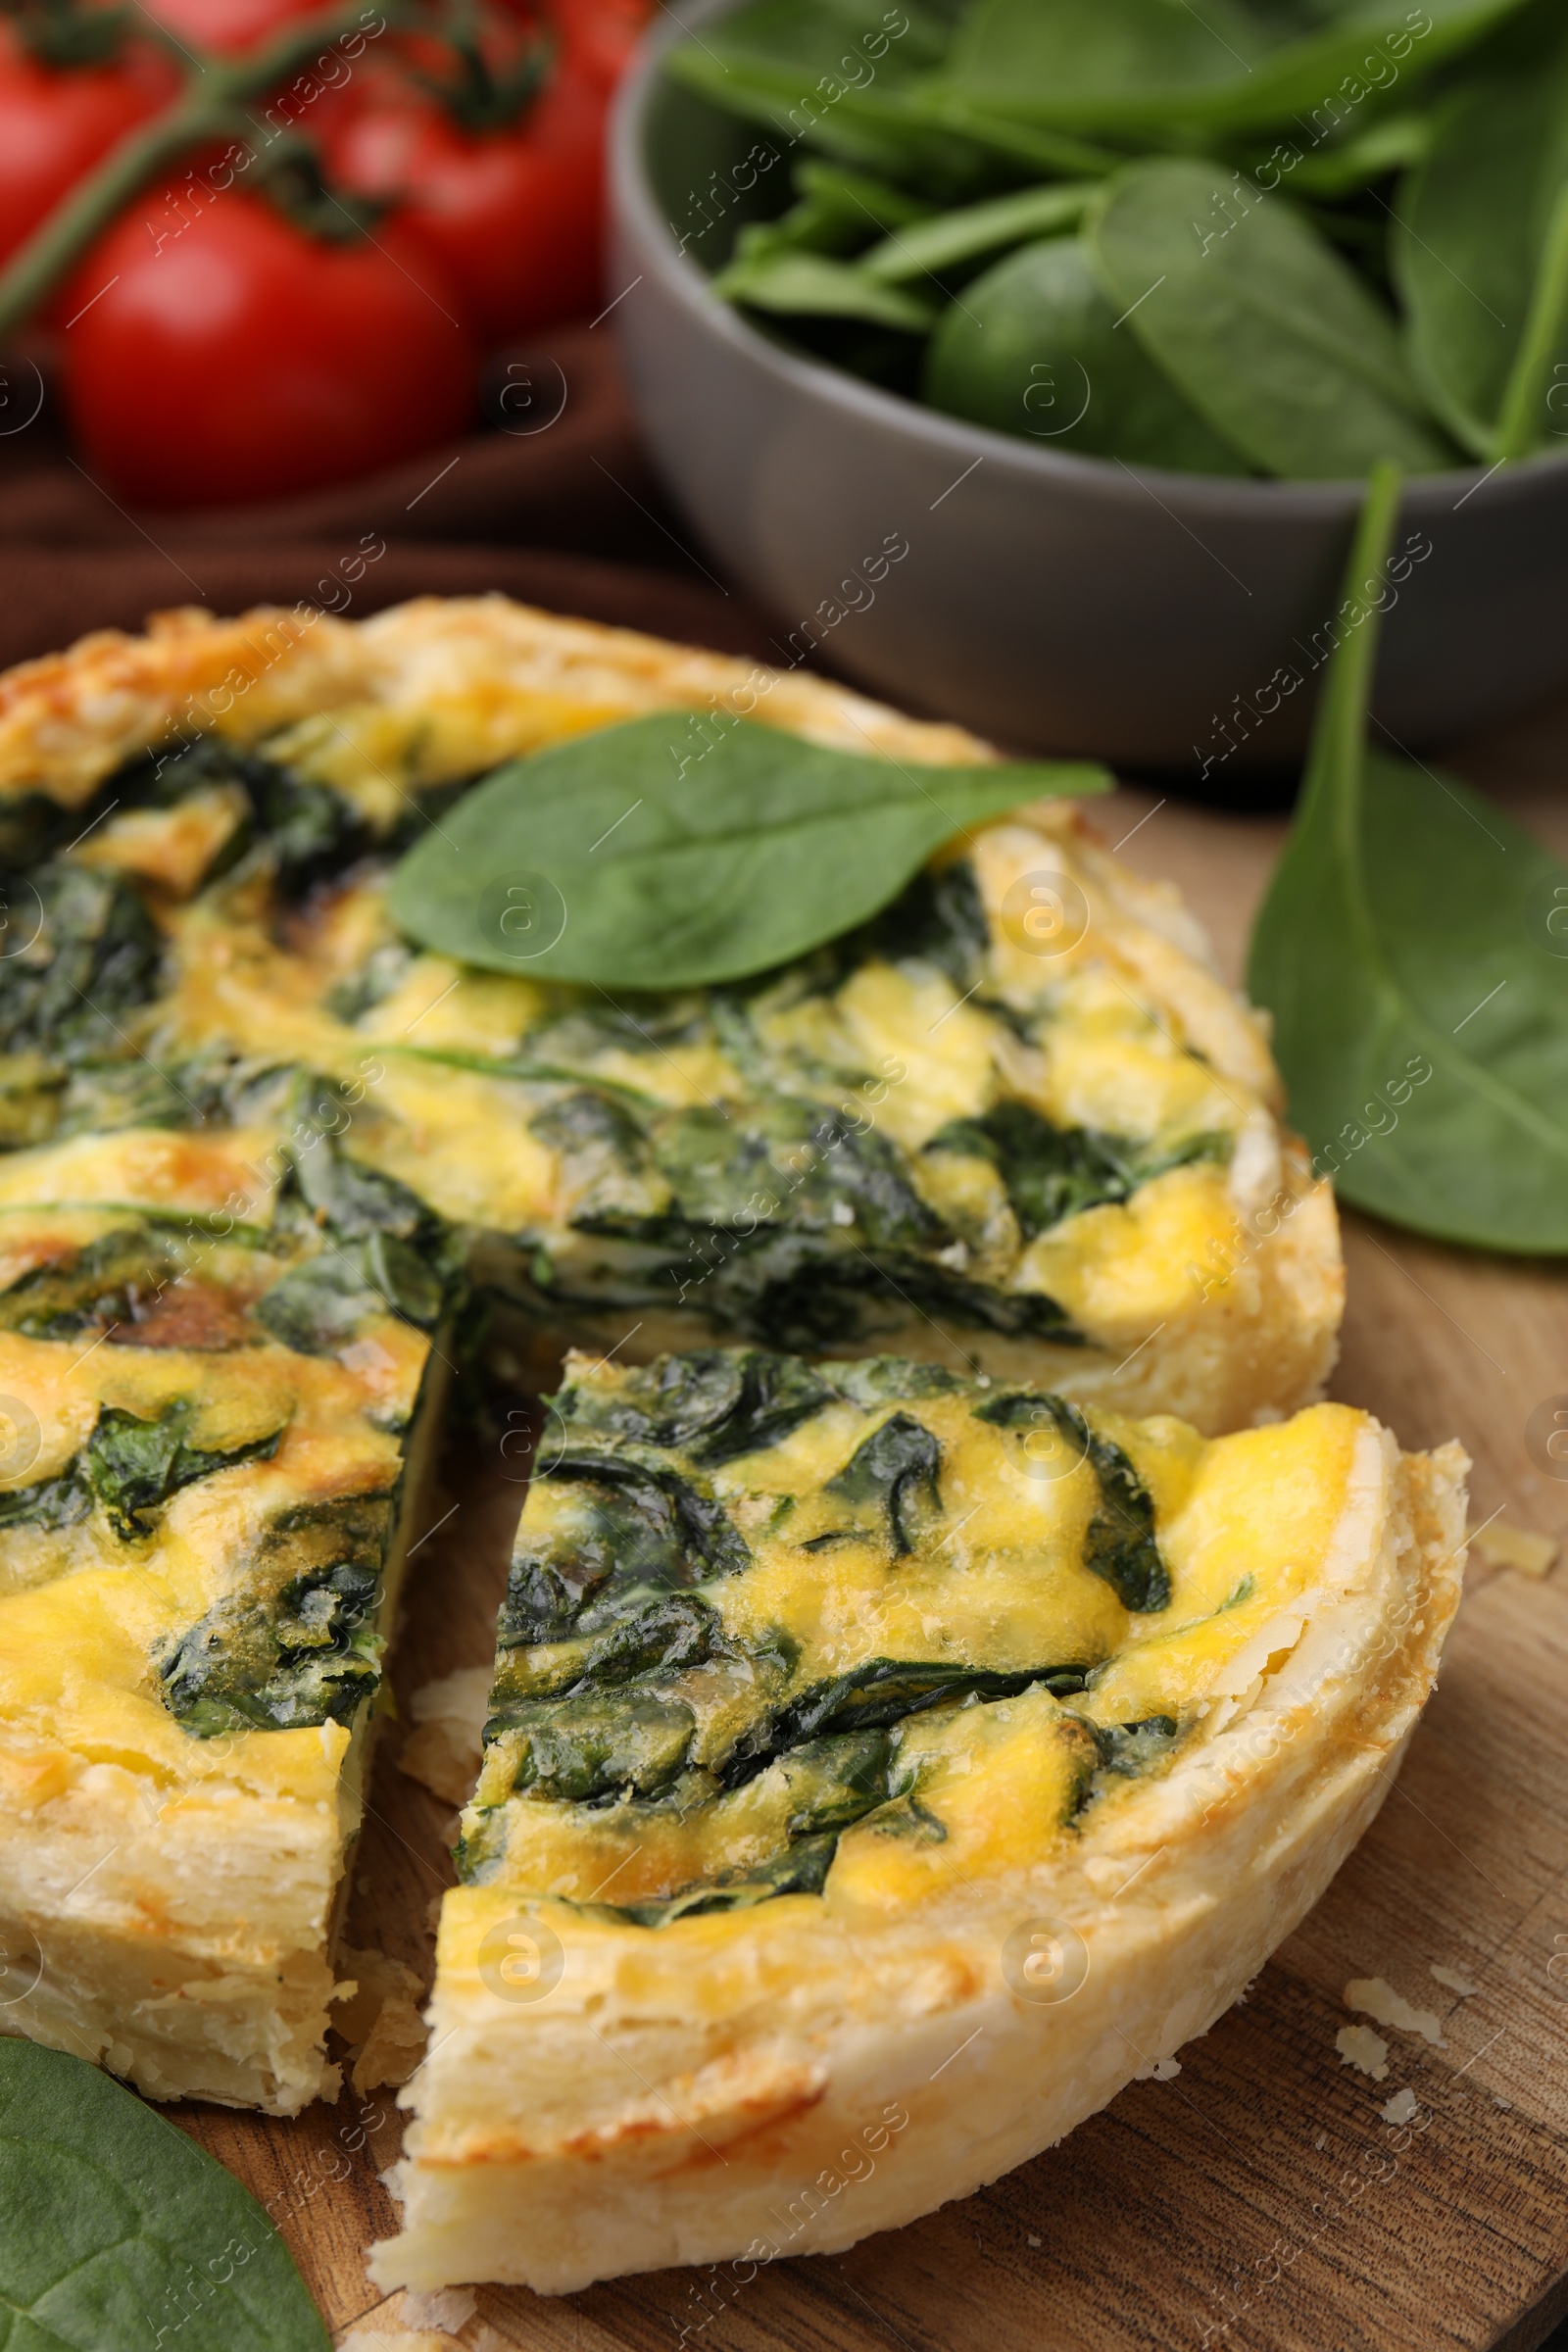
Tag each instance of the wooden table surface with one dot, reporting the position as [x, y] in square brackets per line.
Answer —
[1257, 2199]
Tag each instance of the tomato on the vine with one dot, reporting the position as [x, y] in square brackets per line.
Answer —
[226, 27]
[55, 121]
[515, 209]
[243, 357]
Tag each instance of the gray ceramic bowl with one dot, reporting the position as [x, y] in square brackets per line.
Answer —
[1056, 603]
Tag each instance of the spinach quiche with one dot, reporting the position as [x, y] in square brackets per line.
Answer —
[868, 1739]
[268, 1174]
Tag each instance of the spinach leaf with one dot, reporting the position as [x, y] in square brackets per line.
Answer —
[676, 850]
[882, 1690]
[1120, 1545]
[595, 1743]
[118, 2232]
[131, 1466]
[658, 1528]
[790, 1151]
[1420, 1002]
[297, 1645]
[86, 1288]
[1105, 64]
[1033, 347]
[718, 1404]
[94, 962]
[827, 1784]
[1127, 1751]
[823, 1301]
[1148, 67]
[355, 1200]
[319, 1306]
[1269, 333]
[835, 73]
[1471, 239]
[52, 1505]
[954, 239]
[1345, 166]
[808, 285]
[799, 1869]
[1055, 1172]
[894, 1469]
[310, 830]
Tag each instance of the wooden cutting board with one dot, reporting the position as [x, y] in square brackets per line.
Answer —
[1259, 2199]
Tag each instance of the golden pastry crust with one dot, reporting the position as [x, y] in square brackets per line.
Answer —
[69, 719]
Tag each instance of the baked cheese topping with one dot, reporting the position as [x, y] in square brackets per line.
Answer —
[865, 1630]
[928, 1128]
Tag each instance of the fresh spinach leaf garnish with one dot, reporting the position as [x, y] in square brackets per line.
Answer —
[1420, 1003]
[808, 285]
[118, 2232]
[1120, 1545]
[671, 851]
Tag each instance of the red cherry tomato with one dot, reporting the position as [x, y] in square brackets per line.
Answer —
[228, 25]
[517, 215]
[243, 358]
[55, 121]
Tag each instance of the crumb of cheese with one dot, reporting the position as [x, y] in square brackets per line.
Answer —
[1453, 1980]
[1375, 1998]
[1504, 1546]
[1402, 2108]
[1358, 2045]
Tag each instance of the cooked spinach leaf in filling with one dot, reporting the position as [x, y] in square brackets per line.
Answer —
[743, 1616]
[296, 1644]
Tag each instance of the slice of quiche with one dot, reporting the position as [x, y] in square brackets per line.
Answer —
[882, 1761]
[219, 1380]
[1015, 1125]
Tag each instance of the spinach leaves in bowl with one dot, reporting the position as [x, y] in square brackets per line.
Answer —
[1224, 248]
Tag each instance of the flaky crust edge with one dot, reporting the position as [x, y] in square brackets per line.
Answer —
[708, 2096]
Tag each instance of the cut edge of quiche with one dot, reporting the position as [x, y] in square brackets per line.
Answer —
[775, 1936]
[219, 1441]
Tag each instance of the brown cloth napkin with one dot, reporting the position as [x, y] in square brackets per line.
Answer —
[555, 504]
